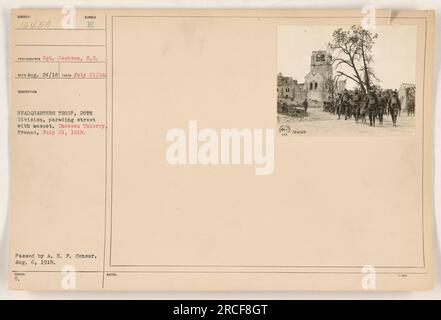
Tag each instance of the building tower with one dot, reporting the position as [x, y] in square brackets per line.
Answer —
[321, 63]
[317, 80]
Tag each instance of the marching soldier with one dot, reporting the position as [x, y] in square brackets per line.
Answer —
[387, 97]
[372, 106]
[394, 106]
[363, 109]
[382, 106]
[346, 103]
[357, 104]
[305, 105]
[338, 105]
[410, 98]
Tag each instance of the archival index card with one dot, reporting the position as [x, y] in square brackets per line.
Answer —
[221, 150]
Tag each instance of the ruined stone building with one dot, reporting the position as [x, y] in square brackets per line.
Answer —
[402, 94]
[316, 87]
[317, 81]
[289, 90]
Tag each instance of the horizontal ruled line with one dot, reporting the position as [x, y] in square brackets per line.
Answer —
[60, 45]
[16, 78]
[30, 61]
[208, 272]
[260, 266]
[60, 29]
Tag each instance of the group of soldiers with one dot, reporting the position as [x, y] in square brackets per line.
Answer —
[374, 105]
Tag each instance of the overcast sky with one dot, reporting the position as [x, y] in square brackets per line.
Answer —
[394, 52]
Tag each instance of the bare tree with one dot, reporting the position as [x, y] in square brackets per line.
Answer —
[332, 86]
[352, 48]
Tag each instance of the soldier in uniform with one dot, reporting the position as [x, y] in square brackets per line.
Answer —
[410, 98]
[363, 109]
[338, 105]
[357, 105]
[382, 106]
[387, 96]
[305, 105]
[346, 103]
[394, 106]
[372, 106]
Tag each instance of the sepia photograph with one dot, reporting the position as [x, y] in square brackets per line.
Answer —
[346, 80]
